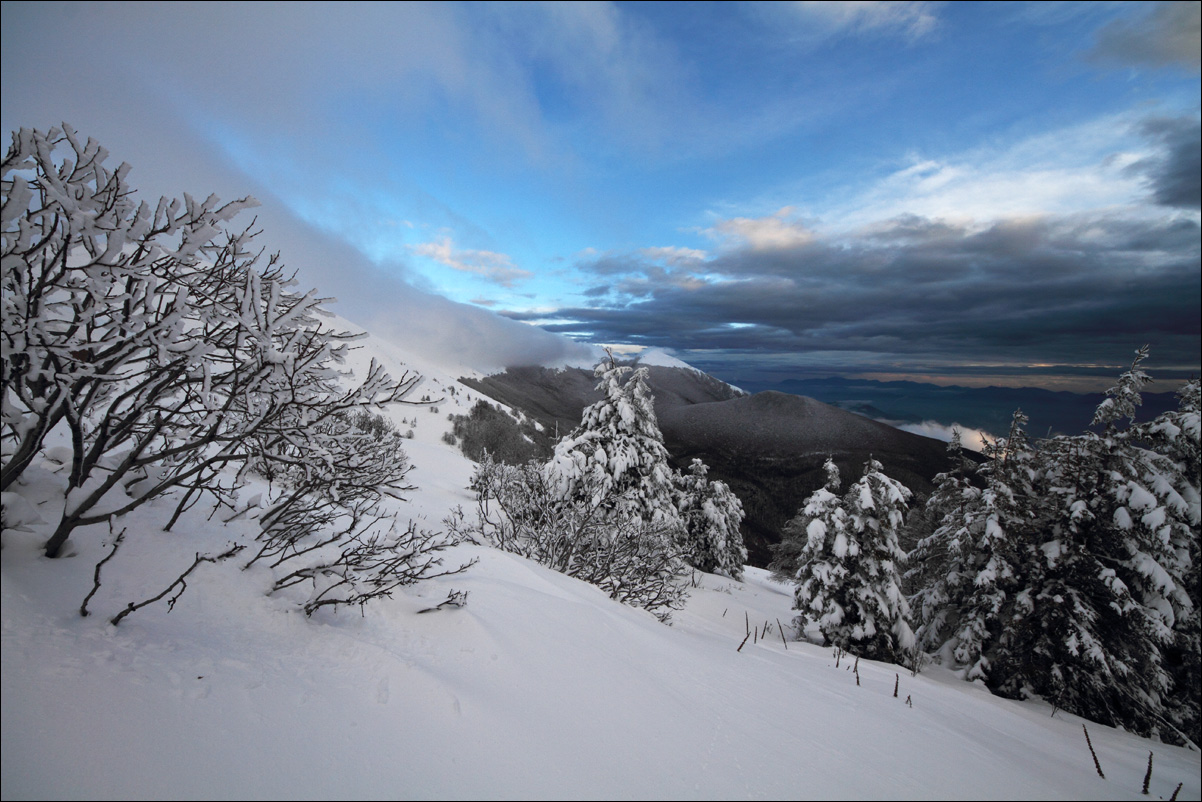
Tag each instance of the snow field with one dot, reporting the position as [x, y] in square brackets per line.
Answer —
[541, 687]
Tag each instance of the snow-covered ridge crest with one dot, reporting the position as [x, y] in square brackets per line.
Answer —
[658, 357]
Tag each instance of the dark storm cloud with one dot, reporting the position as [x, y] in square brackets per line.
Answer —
[1175, 176]
[1073, 290]
[1168, 35]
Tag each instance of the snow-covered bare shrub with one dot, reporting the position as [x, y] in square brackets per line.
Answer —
[358, 568]
[323, 525]
[166, 346]
[177, 359]
[102, 298]
[373, 423]
[486, 429]
[519, 510]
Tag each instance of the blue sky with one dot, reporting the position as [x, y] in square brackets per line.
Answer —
[967, 192]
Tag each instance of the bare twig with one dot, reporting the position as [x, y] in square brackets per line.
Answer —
[896, 682]
[744, 643]
[83, 608]
[180, 582]
[456, 598]
[782, 635]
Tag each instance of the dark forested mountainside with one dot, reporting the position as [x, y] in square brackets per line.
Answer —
[769, 447]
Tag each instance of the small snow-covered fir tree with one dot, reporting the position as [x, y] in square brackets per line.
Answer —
[982, 548]
[876, 508]
[822, 549]
[1177, 435]
[849, 581]
[615, 460]
[712, 515]
[939, 560]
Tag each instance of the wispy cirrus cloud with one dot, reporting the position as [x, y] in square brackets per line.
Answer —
[912, 20]
[1073, 169]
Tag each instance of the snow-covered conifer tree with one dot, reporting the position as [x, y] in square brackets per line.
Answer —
[849, 580]
[983, 549]
[712, 515]
[939, 560]
[1073, 575]
[1177, 435]
[615, 460]
[876, 612]
[823, 550]
[1111, 589]
[1077, 589]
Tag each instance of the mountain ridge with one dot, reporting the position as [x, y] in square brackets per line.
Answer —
[986, 408]
[769, 447]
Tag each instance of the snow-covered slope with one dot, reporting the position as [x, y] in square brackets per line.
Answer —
[540, 687]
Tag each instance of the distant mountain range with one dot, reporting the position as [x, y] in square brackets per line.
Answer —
[986, 408]
[769, 447]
